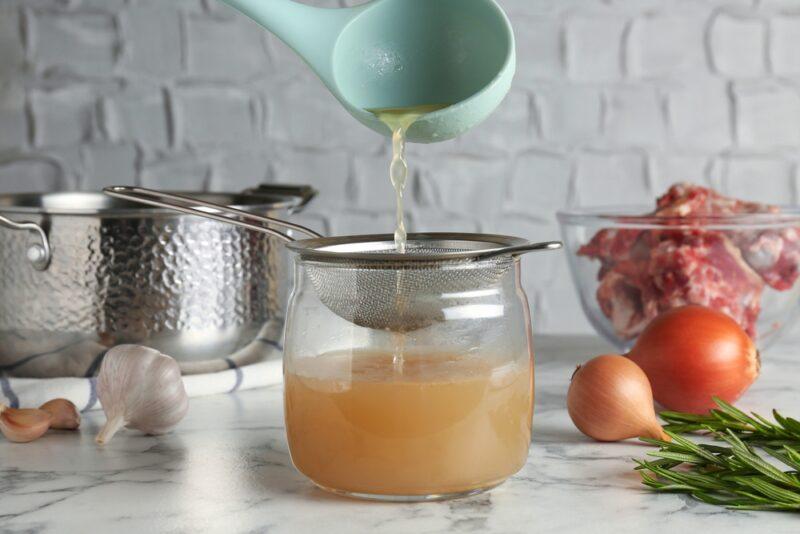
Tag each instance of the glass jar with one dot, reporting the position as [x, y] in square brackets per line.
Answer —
[440, 410]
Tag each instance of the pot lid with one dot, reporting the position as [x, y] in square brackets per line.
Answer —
[267, 197]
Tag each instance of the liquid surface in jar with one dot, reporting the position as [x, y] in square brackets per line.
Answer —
[448, 424]
[399, 120]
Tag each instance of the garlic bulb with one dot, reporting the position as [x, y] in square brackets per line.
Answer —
[140, 388]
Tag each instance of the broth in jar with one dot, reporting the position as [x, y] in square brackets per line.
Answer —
[449, 424]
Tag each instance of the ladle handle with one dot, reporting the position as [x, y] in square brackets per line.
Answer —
[308, 30]
[522, 249]
[208, 210]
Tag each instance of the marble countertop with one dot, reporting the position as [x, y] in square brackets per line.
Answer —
[226, 468]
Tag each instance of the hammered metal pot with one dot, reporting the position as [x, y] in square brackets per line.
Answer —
[82, 272]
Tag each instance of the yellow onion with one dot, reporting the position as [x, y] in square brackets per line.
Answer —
[693, 354]
[610, 399]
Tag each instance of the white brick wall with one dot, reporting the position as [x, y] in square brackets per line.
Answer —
[613, 100]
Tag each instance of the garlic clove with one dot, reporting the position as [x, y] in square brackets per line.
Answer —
[140, 388]
[23, 425]
[65, 414]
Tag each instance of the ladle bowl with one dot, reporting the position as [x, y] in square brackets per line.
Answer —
[402, 53]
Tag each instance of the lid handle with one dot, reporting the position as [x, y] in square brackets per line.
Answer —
[303, 193]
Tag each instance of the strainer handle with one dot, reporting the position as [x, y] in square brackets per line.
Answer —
[518, 250]
[217, 212]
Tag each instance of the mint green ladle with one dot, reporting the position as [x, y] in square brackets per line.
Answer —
[402, 53]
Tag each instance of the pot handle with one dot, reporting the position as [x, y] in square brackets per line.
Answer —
[522, 249]
[303, 193]
[39, 254]
[208, 210]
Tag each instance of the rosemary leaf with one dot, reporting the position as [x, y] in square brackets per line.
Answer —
[767, 507]
[681, 457]
[768, 490]
[785, 456]
[667, 464]
[748, 457]
[737, 414]
[792, 426]
[792, 454]
[693, 448]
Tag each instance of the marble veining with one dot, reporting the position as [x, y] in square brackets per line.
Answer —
[226, 469]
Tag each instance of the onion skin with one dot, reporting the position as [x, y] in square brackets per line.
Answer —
[610, 399]
[691, 354]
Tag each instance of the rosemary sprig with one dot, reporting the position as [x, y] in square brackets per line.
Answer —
[734, 475]
[749, 428]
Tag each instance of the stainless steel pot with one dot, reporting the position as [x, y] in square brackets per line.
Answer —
[82, 272]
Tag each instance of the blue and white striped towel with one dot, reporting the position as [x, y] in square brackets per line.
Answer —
[256, 365]
[33, 392]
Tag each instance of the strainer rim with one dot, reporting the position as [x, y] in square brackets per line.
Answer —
[309, 249]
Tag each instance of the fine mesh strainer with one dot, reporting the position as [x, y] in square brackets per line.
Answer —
[363, 279]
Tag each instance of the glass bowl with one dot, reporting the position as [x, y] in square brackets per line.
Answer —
[628, 268]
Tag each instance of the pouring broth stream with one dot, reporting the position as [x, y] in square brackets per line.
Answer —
[399, 120]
